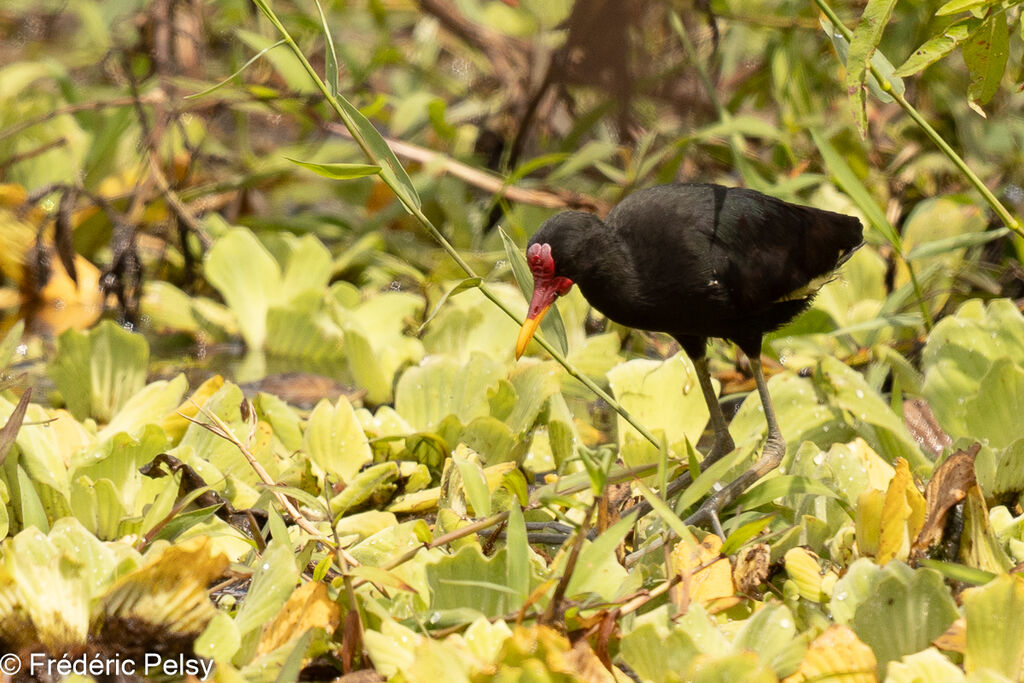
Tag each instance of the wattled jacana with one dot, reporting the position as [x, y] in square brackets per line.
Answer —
[695, 261]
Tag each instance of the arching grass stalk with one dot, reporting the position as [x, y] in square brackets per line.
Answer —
[997, 206]
[406, 194]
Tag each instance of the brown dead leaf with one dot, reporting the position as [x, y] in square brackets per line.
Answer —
[947, 487]
[752, 568]
[585, 665]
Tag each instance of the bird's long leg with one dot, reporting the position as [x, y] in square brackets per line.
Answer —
[771, 456]
[723, 440]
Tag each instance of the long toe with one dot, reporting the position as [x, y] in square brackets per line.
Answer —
[771, 456]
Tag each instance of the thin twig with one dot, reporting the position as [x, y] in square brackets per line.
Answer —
[152, 97]
[553, 612]
[32, 153]
[221, 429]
[489, 182]
[174, 201]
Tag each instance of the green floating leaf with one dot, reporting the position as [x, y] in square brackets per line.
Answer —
[376, 343]
[335, 442]
[307, 271]
[995, 627]
[149, 406]
[339, 171]
[1000, 471]
[98, 371]
[471, 323]
[313, 336]
[468, 579]
[906, 610]
[428, 393]
[275, 577]
[994, 412]
[658, 654]
[248, 278]
[958, 355]
[118, 460]
[533, 386]
[473, 482]
[169, 308]
[771, 633]
[375, 484]
[661, 395]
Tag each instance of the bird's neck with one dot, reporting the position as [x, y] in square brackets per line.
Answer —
[606, 272]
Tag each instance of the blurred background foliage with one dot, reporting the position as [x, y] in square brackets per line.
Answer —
[163, 163]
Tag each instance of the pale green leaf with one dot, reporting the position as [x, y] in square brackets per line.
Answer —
[248, 278]
[339, 171]
[995, 627]
[986, 53]
[936, 48]
[334, 441]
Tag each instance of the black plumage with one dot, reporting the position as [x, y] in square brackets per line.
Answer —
[694, 261]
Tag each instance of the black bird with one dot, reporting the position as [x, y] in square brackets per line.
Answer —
[695, 261]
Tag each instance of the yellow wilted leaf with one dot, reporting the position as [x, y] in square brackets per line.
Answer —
[176, 423]
[712, 583]
[902, 515]
[66, 304]
[837, 656]
[805, 571]
[869, 521]
[954, 638]
[308, 607]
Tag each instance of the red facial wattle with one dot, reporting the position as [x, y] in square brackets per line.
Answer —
[546, 288]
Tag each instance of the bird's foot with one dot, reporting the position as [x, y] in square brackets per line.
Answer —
[707, 513]
[771, 456]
